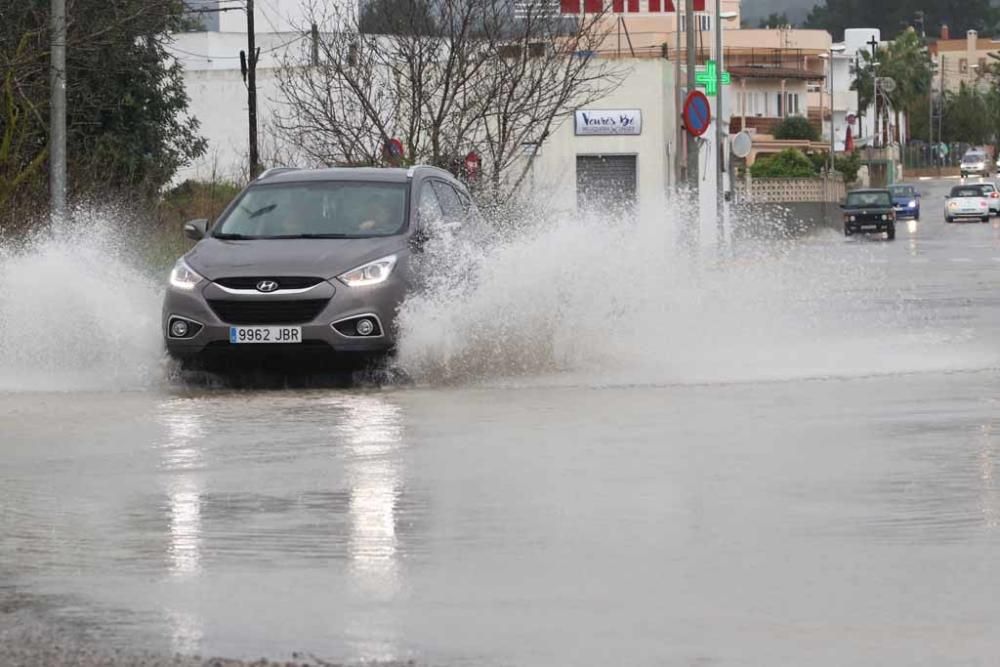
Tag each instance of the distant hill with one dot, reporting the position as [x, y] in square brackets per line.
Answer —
[755, 10]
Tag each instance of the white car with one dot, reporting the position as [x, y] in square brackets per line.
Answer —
[966, 201]
[990, 191]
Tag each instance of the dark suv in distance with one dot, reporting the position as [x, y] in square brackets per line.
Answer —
[307, 263]
[869, 210]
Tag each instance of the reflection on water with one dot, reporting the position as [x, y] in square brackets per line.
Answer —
[371, 431]
[181, 457]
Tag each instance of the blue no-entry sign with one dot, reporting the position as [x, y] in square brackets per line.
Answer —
[697, 113]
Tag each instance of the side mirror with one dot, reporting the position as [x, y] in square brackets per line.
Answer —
[196, 229]
[418, 240]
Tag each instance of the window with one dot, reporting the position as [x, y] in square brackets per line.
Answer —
[451, 203]
[351, 209]
[702, 21]
[428, 206]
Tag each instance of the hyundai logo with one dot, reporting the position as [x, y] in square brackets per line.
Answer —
[267, 286]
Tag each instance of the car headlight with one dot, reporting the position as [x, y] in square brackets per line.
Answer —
[913, 203]
[371, 273]
[183, 276]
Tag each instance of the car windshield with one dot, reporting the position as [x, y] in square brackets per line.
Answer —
[902, 191]
[332, 209]
[966, 192]
[987, 187]
[973, 158]
[869, 199]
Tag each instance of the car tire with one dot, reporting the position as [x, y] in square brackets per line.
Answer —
[948, 218]
[986, 219]
[848, 230]
[890, 232]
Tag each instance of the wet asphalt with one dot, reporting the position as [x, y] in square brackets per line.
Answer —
[819, 518]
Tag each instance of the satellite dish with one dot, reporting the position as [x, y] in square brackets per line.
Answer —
[887, 84]
[741, 144]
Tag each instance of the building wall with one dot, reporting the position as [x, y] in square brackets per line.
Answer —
[649, 88]
[964, 61]
[219, 102]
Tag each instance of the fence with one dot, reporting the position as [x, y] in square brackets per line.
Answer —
[792, 190]
[926, 156]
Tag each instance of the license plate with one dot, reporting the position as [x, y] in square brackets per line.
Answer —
[265, 335]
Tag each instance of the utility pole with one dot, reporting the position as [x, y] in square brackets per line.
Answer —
[57, 113]
[252, 54]
[678, 101]
[874, 44]
[692, 65]
[720, 135]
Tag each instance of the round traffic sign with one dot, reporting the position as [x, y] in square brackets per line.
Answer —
[742, 144]
[851, 119]
[697, 113]
[472, 163]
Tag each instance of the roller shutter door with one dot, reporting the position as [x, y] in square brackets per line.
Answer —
[606, 182]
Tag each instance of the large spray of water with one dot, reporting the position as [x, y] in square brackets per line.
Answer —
[606, 301]
[77, 312]
[596, 300]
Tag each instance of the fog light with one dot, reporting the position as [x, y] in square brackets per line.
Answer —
[365, 327]
[179, 329]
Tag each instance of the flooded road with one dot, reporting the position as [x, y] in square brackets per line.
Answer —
[814, 485]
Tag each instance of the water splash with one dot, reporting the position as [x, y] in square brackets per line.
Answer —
[76, 312]
[601, 301]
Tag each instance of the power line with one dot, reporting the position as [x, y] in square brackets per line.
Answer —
[208, 57]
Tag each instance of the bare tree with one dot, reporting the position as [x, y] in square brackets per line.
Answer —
[446, 77]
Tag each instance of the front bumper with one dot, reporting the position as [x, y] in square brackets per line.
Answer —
[977, 214]
[868, 224]
[320, 339]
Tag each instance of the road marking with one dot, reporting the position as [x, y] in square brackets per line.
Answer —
[961, 260]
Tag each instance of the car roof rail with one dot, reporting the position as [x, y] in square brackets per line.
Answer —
[274, 171]
[413, 169]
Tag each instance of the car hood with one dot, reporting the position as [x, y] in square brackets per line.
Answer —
[327, 258]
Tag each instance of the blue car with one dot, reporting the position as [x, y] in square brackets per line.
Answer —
[906, 201]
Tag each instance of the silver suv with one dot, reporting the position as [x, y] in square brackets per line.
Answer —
[975, 163]
[307, 264]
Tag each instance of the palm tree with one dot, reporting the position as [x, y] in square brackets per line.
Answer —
[908, 63]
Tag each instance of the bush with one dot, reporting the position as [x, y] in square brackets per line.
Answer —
[848, 165]
[195, 199]
[789, 163]
[796, 127]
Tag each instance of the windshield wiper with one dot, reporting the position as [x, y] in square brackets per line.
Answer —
[232, 237]
[316, 236]
[261, 211]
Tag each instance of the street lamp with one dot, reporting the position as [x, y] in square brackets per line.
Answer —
[834, 48]
[721, 132]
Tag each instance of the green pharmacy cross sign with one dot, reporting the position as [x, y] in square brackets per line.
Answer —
[707, 78]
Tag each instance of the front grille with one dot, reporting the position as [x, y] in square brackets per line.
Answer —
[284, 282]
[268, 312]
